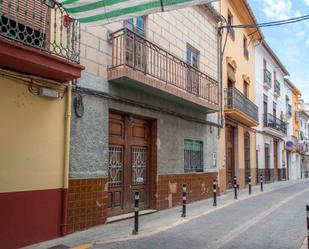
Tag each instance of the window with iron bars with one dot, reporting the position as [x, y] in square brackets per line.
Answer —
[193, 156]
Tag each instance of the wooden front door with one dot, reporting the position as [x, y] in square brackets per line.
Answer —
[267, 163]
[275, 160]
[230, 161]
[129, 167]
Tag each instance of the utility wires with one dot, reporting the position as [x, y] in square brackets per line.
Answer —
[269, 24]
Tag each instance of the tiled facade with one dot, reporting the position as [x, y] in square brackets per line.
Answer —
[87, 203]
[169, 188]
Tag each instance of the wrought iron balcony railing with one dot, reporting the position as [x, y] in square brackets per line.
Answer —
[277, 88]
[134, 51]
[275, 123]
[43, 27]
[235, 99]
[267, 78]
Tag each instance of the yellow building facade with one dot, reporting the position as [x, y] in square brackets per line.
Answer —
[295, 112]
[35, 106]
[240, 115]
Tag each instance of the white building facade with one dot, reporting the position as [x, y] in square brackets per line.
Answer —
[303, 139]
[270, 97]
[292, 157]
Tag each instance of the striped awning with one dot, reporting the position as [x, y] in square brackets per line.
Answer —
[97, 12]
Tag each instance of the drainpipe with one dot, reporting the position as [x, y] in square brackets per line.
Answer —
[66, 161]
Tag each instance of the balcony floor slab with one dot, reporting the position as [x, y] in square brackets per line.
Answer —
[32, 61]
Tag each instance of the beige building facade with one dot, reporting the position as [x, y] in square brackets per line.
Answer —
[240, 114]
[150, 82]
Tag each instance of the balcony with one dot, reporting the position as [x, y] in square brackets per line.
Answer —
[39, 40]
[240, 108]
[277, 89]
[267, 79]
[141, 64]
[274, 125]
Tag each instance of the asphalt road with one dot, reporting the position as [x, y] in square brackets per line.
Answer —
[274, 220]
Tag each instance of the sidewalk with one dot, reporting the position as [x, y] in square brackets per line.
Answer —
[155, 222]
[305, 244]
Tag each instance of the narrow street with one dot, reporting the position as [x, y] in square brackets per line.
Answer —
[275, 219]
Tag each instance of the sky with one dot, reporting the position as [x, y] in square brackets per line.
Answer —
[289, 42]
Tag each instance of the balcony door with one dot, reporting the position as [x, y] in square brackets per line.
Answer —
[192, 73]
[135, 45]
[230, 158]
[129, 164]
[265, 109]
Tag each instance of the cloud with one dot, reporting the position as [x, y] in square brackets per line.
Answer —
[277, 9]
[307, 42]
[306, 2]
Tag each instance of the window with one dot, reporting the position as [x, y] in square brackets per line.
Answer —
[246, 89]
[274, 109]
[246, 51]
[229, 18]
[264, 64]
[192, 56]
[275, 76]
[192, 74]
[136, 24]
[193, 156]
[230, 23]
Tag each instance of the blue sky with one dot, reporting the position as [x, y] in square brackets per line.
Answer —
[290, 42]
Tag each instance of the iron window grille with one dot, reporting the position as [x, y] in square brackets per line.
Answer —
[193, 156]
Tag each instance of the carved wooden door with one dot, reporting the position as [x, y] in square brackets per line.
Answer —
[128, 169]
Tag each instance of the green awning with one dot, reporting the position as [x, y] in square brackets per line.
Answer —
[97, 12]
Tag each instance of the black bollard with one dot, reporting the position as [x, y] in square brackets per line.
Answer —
[136, 209]
[215, 192]
[307, 214]
[235, 187]
[249, 178]
[184, 200]
[261, 181]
